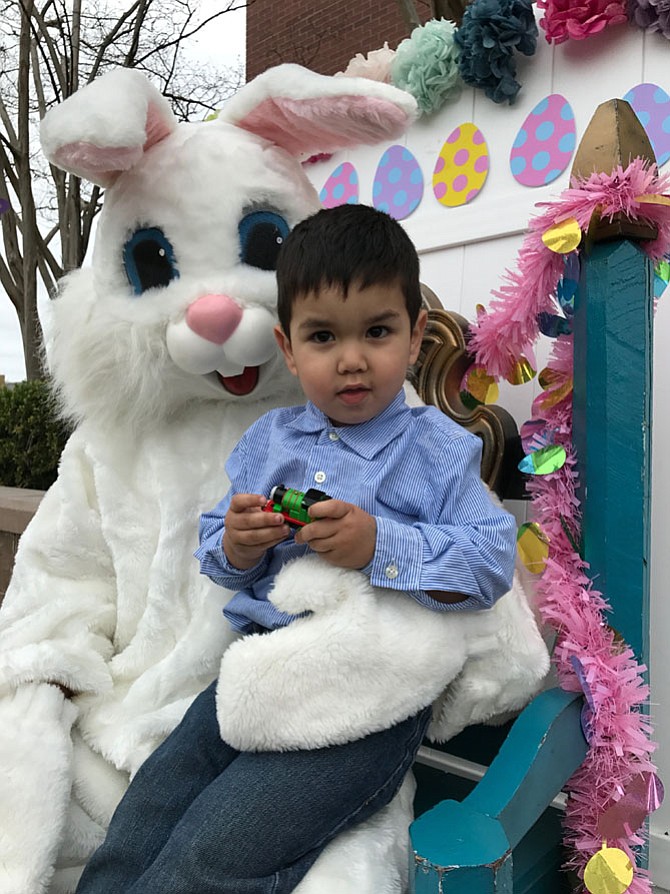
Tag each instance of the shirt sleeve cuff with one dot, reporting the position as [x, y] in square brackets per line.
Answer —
[398, 556]
[214, 563]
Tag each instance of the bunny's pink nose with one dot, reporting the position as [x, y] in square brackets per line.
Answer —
[214, 317]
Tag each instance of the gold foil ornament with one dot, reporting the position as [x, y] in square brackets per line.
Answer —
[521, 372]
[556, 385]
[563, 237]
[651, 199]
[532, 545]
[481, 386]
[609, 871]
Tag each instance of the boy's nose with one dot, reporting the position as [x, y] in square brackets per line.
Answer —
[352, 359]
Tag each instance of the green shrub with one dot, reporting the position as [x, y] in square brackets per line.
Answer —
[32, 436]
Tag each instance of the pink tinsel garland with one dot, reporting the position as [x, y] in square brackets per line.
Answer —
[619, 733]
[510, 328]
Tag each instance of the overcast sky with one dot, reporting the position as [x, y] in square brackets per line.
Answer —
[223, 43]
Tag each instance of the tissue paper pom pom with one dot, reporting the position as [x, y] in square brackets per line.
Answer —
[652, 15]
[426, 65]
[564, 19]
[491, 31]
[376, 66]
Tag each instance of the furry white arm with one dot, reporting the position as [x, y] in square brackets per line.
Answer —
[58, 617]
[35, 782]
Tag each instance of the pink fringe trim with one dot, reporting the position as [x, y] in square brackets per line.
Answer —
[620, 743]
[509, 328]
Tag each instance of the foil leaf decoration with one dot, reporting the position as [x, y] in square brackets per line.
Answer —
[545, 461]
[532, 545]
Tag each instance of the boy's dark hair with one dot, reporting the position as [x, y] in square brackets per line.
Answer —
[345, 245]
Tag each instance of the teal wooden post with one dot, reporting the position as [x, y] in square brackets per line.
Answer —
[467, 847]
[612, 429]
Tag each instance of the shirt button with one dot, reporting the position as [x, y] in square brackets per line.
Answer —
[320, 477]
[333, 436]
[391, 571]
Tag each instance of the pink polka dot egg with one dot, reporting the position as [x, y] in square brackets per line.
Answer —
[544, 145]
[462, 166]
[341, 188]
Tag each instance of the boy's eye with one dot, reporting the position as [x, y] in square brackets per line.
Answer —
[321, 337]
[377, 331]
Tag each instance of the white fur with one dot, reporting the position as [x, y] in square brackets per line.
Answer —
[367, 658]
[106, 597]
[363, 660]
[35, 722]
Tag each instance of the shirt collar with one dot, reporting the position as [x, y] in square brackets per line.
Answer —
[367, 438]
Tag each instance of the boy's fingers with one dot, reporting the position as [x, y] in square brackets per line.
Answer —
[329, 509]
[241, 502]
[317, 530]
[249, 520]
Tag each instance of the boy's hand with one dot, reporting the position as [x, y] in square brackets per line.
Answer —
[249, 531]
[341, 533]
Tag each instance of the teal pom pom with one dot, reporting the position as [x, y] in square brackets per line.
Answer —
[426, 65]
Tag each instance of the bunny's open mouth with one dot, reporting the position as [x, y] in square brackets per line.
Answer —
[242, 384]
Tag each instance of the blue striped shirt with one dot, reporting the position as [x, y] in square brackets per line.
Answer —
[414, 469]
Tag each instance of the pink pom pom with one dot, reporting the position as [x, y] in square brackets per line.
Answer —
[564, 19]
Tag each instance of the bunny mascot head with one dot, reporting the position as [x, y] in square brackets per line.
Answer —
[162, 352]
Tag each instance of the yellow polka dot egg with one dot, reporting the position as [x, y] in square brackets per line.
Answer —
[462, 166]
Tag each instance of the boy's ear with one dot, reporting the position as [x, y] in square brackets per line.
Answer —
[417, 336]
[284, 343]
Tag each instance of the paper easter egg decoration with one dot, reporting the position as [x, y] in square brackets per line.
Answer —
[462, 166]
[341, 188]
[397, 187]
[543, 147]
[651, 104]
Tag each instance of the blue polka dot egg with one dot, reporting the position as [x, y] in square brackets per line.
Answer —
[545, 142]
[397, 188]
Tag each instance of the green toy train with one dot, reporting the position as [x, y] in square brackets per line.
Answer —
[293, 504]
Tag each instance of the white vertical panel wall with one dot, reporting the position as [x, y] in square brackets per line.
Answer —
[465, 250]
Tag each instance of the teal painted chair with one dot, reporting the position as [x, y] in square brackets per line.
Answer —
[489, 802]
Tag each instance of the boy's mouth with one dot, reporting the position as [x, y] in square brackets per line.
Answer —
[353, 394]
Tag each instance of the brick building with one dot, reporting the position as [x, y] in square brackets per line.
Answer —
[322, 36]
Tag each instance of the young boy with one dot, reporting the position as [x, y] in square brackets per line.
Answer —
[408, 510]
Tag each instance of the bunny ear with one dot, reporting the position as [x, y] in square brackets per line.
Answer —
[304, 112]
[105, 128]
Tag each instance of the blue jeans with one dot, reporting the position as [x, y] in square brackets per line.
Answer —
[203, 818]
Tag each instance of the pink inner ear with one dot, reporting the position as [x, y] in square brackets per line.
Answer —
[100, 164]
[157, 128]
[327, 123]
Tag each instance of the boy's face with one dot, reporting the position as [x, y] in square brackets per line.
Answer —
[351, 356]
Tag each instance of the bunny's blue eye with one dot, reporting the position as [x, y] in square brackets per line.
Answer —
[148, 258]
[261, 236]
